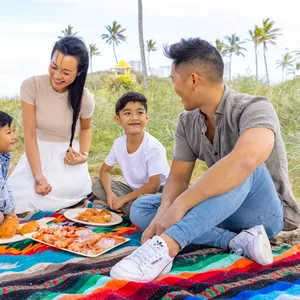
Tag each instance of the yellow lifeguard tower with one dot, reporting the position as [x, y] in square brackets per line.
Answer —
[122, 68]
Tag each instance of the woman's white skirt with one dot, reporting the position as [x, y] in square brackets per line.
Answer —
[70, 184]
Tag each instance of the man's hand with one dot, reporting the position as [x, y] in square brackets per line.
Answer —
[177, 183]
[74, 158]
[150, 230]
[155, 226]
[41, 185]
[173, 215]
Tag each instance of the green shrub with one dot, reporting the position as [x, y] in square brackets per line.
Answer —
[96, 81]
[137, 76]
[118, 83]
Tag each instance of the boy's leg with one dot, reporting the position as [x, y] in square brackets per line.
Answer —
[99, 191]
[119, 188]
[216, 221]
[144, 209]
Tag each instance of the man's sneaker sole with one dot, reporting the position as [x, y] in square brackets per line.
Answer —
[167, 269]
[115, 275]
[262, 248]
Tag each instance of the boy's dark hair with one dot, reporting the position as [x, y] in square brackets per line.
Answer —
[5, 119]
[130, 97]
[197, 52]
[74, 46]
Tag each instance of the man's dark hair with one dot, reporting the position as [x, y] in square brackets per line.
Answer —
[130, 97]
[5, 119]
[197, 52]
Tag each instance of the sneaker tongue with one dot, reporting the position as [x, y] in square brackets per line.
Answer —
[158, 243]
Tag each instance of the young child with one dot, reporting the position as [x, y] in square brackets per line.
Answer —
[7, 142]
[141, 157]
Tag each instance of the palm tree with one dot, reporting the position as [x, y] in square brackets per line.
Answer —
[292, 71]
[220, 46]
[150, 46]
[255, 38]
[296, 53]
[268, 36]
[286, 64]
[234, 47]
[68, 32]
[142, 50]
[115, 36]
[93, 51]
[297, 70]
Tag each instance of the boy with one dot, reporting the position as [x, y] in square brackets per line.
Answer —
[7, 142]
[142, 158]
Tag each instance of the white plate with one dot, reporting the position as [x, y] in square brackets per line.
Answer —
[71, 214]
[19, 237]
[29, 235]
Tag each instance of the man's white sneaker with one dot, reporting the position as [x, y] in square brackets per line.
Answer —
[254, 244]
[145, 263]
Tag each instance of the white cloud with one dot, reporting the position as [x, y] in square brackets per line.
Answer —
[25, 51]
[26, 43]
[30, 27]
[91, 3]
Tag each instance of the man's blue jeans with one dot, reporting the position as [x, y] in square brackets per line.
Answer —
[217, 220]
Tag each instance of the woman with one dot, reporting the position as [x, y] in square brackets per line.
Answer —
[53, 172]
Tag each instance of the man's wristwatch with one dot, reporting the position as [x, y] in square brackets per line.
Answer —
[85, 153]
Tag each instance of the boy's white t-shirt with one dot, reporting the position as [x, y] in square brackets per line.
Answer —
[148, 160]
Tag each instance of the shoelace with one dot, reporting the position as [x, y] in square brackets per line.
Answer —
[146, 254]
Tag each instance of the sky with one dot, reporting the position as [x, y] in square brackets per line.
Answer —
[29, 28]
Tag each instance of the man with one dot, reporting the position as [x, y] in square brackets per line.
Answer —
[242, 200]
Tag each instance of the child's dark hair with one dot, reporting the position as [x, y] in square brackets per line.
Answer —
[5, 119]
[74, 46]
[130, 97]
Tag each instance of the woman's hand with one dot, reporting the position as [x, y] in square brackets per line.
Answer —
[41, 185]
[74, 158]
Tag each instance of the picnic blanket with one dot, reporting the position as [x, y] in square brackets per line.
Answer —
[31, 270]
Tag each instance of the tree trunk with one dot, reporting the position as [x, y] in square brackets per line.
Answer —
[256, 64]
[142, 49]
[91, 61]
[149, 63]
[230, 66]
[115, 52]
[267, 74]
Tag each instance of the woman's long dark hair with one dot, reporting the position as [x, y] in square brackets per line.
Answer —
[74, 46]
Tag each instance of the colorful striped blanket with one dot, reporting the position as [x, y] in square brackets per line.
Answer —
[30, 270]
